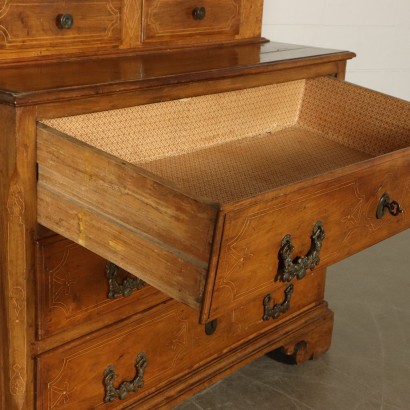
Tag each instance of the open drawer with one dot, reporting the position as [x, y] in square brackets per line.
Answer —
[217, 199]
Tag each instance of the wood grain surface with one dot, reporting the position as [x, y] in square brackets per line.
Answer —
[58, 332]
[18, 222]
[176, 347]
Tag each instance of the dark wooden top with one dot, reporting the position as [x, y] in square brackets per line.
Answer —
[49, 82]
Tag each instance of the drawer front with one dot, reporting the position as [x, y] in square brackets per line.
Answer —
[69, 24]
[78, 289]
[346, 208]
[170, 20]
[172, 340]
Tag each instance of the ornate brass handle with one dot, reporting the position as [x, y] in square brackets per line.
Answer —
[64, 21]
[288, 267]
[278, 309]
[199, 13]
[126, 387]
[126, 287]
[393, 207]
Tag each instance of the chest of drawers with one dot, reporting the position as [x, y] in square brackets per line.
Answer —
[173, 188]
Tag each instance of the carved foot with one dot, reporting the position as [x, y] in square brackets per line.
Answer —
[306, 347]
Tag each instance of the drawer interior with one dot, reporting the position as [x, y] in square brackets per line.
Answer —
[231, 146]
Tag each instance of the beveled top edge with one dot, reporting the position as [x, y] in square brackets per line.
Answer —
[48, 82]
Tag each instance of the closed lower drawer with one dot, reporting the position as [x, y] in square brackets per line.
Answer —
[80, 374]
[198, 204]
[80, 291]
[26, 24]
[170, 20]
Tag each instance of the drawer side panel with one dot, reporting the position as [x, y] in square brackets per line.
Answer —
[356, 117]
[135, 222]
[125, 193]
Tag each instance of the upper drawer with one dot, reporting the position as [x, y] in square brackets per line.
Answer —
[214, 203]
[170, 20]
[32, 24]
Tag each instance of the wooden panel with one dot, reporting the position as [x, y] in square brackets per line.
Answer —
[32, 24]
[18, 222]
[170, 20]
[131, 23]
[251, 19]
[175, 345]
[146, 96]
[73, 291]
[162, 336]
[118, 212]
[345, 205]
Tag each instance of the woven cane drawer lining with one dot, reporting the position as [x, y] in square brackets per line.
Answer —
[247, 167]
[356, 117]
[150, 132]
[234, 145]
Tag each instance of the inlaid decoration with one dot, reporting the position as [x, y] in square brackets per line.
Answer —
[17, 382]
[3, 7]
[60, 395]
[362, 216]
[131, 23]
[61, 285]
[179, 341]
[18, 297]
[60, 369]
[17, 289]
[236, 259]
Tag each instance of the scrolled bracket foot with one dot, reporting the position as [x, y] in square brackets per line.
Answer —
[306, 345]
[294, 354]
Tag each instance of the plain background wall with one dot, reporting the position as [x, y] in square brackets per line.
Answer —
[378, 31]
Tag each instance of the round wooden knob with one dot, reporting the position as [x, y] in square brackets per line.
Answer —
[64, 21]
[199, 13]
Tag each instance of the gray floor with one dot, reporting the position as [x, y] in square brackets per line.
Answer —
[368, 364]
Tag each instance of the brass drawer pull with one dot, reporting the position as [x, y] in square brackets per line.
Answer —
[126, 287]
[278, 309]
[199, 13]
[289, 267]
[64, 21]
[393, 207]
[126, 387]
